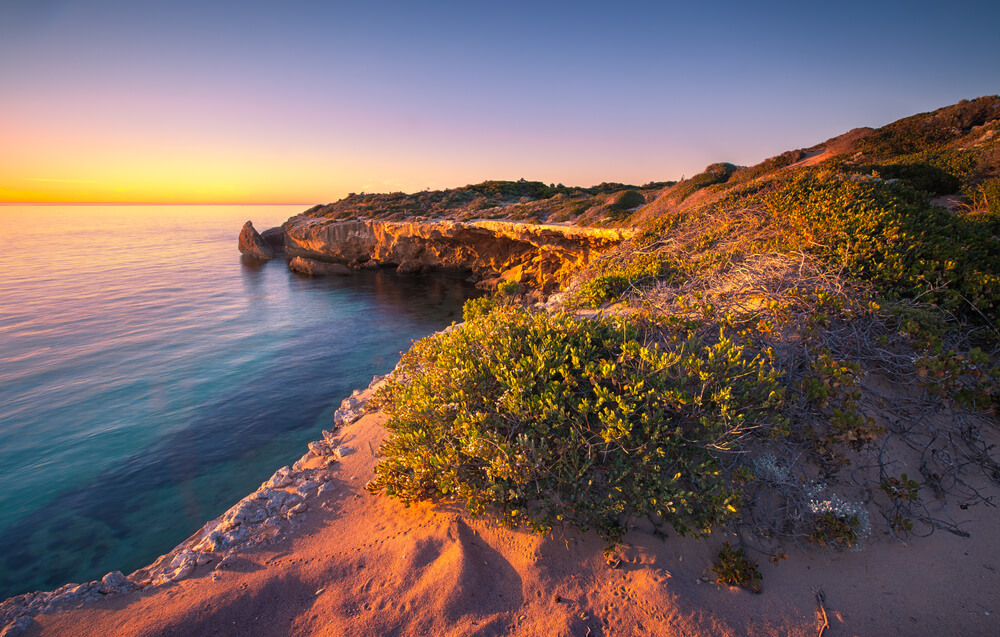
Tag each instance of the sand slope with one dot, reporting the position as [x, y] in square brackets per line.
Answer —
[360, 565]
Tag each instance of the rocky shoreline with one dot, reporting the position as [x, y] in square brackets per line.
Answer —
[266, 515]
[540, 257]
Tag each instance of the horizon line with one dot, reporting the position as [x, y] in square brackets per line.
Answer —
[157, 203]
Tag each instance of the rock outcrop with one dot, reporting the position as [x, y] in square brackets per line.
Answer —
[274, 237]
[537, 256]
[252, 245]
[318, 268]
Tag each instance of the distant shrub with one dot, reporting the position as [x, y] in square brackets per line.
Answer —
[766, 167]
[543, 419]
[626, 200]
[923, 177]
[713, 174]
[917, 133]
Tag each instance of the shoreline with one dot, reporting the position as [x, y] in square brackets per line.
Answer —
[265, 515]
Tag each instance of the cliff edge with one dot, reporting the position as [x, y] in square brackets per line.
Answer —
[540, 257]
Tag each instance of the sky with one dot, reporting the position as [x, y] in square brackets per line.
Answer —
[304, 102]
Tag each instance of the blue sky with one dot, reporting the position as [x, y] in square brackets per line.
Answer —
[306, 101]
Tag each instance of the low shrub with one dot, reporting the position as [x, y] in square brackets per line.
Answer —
[550, 418]
[890, 235]
[736, 569]
[923, 177]
[713, 174]
[613, 277]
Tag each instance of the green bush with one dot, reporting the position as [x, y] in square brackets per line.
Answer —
[713, 174]
[890, 235]
[626, 200]
[736, 569]
[919, 177]
[543, 419]
[612, 278]
[988, 196]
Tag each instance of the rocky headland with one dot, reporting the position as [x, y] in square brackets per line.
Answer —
[538, 256]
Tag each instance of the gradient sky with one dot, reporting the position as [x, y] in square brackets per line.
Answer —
[302, 102]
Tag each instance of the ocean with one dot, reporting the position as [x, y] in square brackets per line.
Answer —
[150, 378]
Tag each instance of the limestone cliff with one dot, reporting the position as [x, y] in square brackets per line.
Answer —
[537, 256]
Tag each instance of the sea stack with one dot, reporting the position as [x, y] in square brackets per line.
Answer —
[252, 245]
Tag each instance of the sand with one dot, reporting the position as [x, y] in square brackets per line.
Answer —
[357, 564]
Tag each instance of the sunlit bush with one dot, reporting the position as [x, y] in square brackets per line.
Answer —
[543, 419]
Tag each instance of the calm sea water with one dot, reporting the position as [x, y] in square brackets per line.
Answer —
[149, 378]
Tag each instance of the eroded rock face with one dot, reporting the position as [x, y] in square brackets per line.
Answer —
[537, 256]
[274, 237]
[252, 245]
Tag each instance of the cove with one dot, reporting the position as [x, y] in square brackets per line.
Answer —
[140, 402]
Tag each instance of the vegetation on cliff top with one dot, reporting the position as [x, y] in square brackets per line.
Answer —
[527, 201]
[811, 341]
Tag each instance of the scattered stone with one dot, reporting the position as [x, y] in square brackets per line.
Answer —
[281, 478]
[351, 410]
[304, 489]
[182, 572]
[252, 245]
[320, 448]
[115, 583]
[297, 509]
[326, 487]
[343, 450]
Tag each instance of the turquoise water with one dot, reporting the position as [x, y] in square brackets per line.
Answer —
[149, 378]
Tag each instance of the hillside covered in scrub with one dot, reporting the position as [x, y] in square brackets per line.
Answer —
[804, 350]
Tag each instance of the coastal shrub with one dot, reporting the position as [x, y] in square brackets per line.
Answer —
[713, 174]
[890, 235]
[987, 197]
[918, 176]
[544, 419]
[626, 200]
[736, 569]
[929, 130]
[613, 277]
